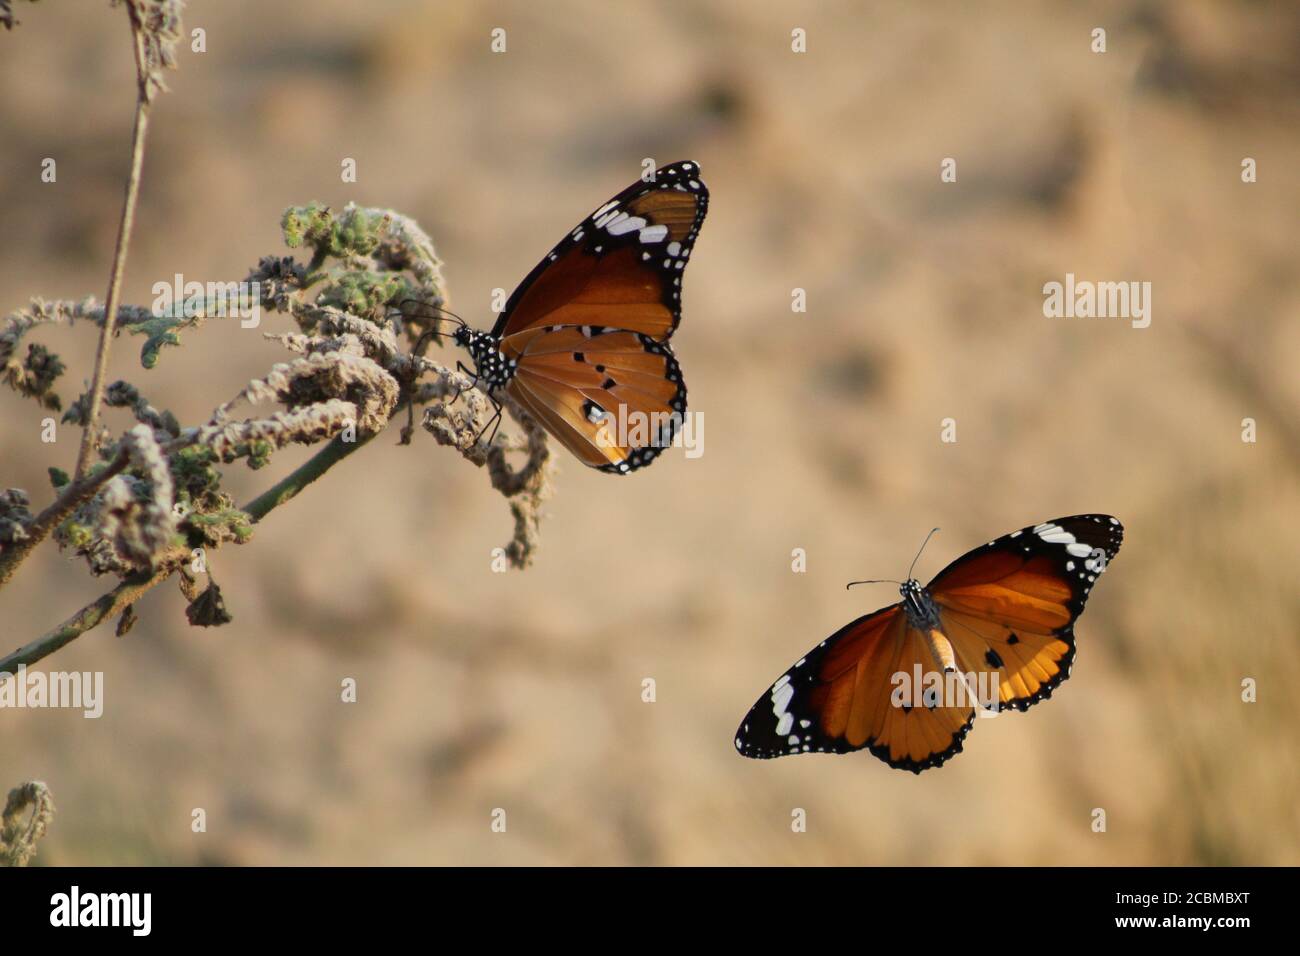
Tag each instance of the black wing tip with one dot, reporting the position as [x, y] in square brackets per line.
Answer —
[1108, 520]
[753, 752]
[1113, 527]
[687, 170]
[756, 737]
[682, 167]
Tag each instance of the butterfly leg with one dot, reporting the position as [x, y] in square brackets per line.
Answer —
[494, 422]
[460, 367]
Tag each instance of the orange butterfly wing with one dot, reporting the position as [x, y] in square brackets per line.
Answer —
[588, 328]
[622, 266]
[1007, 608]
[615, 399]
[839, 698]
[1011, 605]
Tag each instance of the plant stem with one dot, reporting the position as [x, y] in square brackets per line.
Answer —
[110, 604]
[304, 475]
[133, 588]
[89, 437]
[78, 491]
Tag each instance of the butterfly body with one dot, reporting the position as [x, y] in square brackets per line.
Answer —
[582, 344]
[994, 629]
[492, 367]
[922, 613]
[923, 617]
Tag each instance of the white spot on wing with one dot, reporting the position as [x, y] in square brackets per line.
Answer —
[782, 694]
[624, 223]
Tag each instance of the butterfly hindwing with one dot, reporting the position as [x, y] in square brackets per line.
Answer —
[1010, 606]
[615, 399]
[1029, 663]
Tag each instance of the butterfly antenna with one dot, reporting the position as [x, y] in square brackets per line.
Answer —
[877, 581]
[918, 553]
[431, 333]
[444, 314]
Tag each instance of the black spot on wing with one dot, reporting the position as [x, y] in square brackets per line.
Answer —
[644, 455]
[1064, 667]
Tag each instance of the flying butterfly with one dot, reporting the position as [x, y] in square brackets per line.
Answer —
[582, 344]
[994, 629]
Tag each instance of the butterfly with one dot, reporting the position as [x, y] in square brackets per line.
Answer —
[582, 344]
[994, 629]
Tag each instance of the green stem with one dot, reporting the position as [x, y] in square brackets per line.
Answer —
[309, 471]
[73, 495]
[133, 588]
[107, 606]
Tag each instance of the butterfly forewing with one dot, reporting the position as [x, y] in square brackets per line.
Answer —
[1010, 606]
[837, 699]
[622, 266]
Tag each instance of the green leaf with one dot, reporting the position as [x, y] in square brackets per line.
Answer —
[161, 330]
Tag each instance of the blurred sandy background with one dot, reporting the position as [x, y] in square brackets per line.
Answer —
[522, 691]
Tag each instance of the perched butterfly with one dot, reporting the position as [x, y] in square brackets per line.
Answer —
[994, 629]
[582, 345]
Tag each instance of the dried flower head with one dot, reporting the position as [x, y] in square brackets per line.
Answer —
[21, 831]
